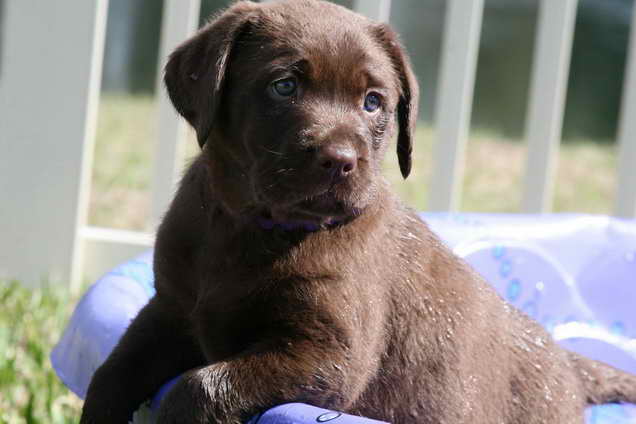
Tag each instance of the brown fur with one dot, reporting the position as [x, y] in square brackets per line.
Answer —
[371, 314]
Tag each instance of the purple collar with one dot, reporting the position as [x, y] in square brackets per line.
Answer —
[269, 224]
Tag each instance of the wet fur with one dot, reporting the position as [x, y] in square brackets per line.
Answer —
[373, 317]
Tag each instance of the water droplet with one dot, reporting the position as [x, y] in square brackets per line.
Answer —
[540, 286]
[513, 290]
[522, 345]
[548, 394]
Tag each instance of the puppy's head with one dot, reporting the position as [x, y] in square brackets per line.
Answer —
[295, 103]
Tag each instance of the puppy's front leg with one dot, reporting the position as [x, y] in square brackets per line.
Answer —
[154, 349]
[233, 391]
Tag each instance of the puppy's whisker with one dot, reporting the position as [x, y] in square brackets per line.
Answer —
[274, 152]
[285, 170]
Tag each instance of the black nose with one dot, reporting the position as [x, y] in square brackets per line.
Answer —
[337, 160]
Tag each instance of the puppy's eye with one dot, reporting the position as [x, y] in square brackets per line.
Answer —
[372, 102]
[285, 87]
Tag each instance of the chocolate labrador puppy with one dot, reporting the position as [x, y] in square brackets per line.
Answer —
[285, 268]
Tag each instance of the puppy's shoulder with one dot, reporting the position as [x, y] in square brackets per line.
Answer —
[406, 223]
[188, 214]
[423, 250]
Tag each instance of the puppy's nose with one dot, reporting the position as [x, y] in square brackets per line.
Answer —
[337, 160]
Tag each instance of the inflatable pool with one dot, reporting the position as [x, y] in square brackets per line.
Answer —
[575, 274]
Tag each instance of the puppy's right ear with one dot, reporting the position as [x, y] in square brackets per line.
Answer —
[195, 72]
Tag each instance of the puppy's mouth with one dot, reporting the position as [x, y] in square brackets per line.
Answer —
[323, 210]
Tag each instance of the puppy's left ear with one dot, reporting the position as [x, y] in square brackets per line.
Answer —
[409, 95]
[195, 72]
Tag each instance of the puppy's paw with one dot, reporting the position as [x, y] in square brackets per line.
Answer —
[107, 402]
[95, 412]
[190, 401]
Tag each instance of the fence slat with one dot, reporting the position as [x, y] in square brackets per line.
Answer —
[553, 48]
[626, 193]
[104, 248]
[379, 10]
[49, 92]
[180, 19]
[454, 100]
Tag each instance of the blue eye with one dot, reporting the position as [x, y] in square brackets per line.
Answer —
[284, 87]
[372, 102]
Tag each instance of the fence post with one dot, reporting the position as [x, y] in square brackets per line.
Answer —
[626, 193]
[49, 92]
[454, 100]
[180, 20]
[553, 48]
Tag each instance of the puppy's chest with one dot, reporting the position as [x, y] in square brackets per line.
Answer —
[272, 294]
[238, 309]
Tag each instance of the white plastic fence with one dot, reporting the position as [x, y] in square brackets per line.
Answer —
[49, 87]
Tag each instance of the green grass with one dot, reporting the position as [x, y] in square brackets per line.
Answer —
[31, 320]
[121, 175]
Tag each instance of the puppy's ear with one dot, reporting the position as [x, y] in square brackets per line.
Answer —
[409, 96]
[195, 72]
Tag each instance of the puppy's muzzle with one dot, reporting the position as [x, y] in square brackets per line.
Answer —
[336, 161]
